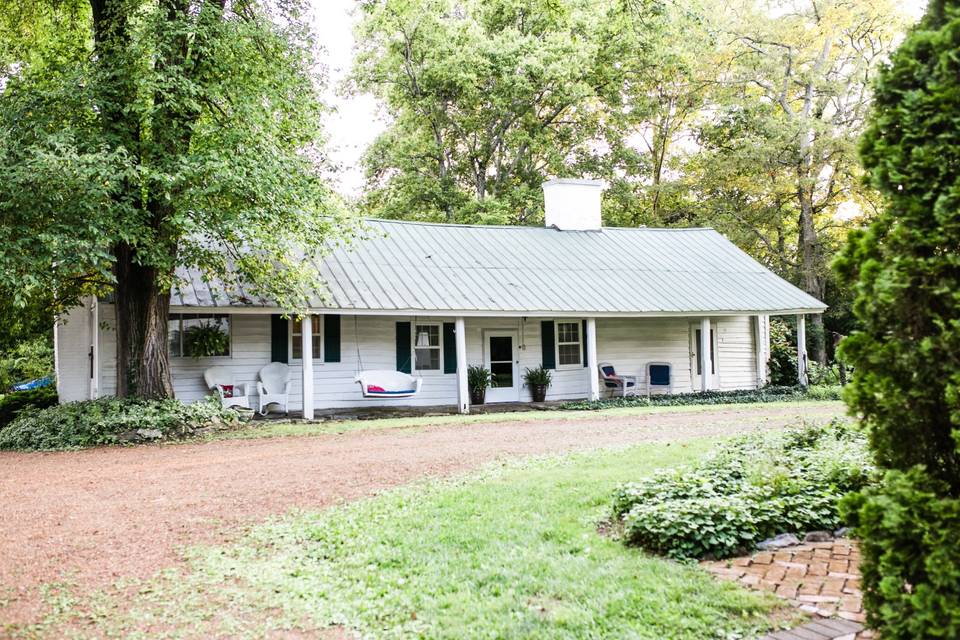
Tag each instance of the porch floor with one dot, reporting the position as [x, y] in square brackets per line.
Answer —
[374, 413]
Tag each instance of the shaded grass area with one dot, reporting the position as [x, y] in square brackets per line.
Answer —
[511, 552]
[283, 428]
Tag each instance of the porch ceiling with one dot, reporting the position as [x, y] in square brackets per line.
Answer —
[404, 267]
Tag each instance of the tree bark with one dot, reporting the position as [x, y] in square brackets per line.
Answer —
[143, 365]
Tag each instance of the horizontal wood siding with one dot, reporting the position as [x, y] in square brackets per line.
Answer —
[73, 349]
[737, 353]
[628, 343]
[108, 350]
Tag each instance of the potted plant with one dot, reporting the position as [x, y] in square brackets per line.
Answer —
[538, 380]
[478, 379]
[205, 340]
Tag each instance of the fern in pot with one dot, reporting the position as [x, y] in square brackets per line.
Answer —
[205, 340]
[538, 380]
[478, 379]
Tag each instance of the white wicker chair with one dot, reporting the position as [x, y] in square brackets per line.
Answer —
[220, 379]
[273, 386]
[612, 381]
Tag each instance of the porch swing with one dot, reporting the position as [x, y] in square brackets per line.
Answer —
[384, 383]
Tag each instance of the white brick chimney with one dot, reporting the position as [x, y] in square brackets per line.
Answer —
[572, 205]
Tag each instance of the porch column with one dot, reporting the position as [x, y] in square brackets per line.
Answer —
[306, 331]
[706, 362]
[463, 391]
[761, 347]
[594, 378]
[802, 349]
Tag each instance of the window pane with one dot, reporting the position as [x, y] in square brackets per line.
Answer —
[296, 338]
[568, 332]
[428, 335]
[569, 353]
[207, 331]
[427, 359]
[502, 374]
[501, 349]
[173, 335]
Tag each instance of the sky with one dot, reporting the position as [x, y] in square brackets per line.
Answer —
[357, 120]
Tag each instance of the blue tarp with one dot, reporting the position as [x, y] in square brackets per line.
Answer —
[33, 384]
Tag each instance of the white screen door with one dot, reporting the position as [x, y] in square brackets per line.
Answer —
[500, 357]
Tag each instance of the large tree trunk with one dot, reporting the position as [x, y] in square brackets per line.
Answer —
[143, 365]
[812, 283]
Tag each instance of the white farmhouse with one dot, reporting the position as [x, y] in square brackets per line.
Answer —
[432, 299]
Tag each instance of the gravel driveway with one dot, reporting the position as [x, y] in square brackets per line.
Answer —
[97, 515]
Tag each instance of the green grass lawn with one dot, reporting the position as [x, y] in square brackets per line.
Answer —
[281, 428]
[511, 552]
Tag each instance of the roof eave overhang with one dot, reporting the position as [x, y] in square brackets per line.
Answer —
[260, 310]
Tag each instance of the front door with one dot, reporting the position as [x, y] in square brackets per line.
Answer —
[500, 357]
[696, 360]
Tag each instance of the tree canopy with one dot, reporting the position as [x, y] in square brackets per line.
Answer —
[139, 137]
[743, 116]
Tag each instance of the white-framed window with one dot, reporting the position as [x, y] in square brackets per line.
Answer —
[198, 335]
[296, 338]
[569, 344]
[427, 347]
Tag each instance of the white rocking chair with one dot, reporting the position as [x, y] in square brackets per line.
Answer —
[220, 379]
[273, 386]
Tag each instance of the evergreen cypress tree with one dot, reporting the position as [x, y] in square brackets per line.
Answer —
[906, 386]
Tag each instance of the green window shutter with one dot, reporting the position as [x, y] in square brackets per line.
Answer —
[547, 343]
[331, 338]
[449, 348]
[583, 340]
[403, 347]
[279, 348]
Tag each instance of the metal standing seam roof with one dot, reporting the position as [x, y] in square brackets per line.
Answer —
[430, 267]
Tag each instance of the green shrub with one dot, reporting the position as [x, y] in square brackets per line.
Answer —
[766, 394]
[783, 355]
[906, 354]
[13, 403]
[910, 532]
[752, 488]
[109, 421]
[27, 361]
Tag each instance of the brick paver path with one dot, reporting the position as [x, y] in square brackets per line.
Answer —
[821, 578]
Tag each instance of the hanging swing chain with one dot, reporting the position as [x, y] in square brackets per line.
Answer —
[356, 340]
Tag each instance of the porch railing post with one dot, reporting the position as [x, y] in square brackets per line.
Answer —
[306, 335]
[592, 358]
[463, 392]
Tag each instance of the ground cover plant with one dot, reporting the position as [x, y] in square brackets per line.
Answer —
[745, 396]
[510, 552]
[749, 489]
[110, 421]
[12, 404]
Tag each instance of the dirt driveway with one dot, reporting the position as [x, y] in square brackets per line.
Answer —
[97, 515]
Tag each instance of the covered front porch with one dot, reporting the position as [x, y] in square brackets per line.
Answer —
[326, 352]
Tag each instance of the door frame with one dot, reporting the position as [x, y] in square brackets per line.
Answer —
[503, 394]
[694, 352]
